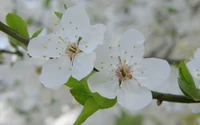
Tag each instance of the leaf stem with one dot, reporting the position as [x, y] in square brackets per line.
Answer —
[172, 98]
[13, 34]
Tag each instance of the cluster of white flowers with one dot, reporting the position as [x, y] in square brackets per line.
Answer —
[123, 72]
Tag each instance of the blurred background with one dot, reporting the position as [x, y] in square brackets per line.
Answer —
[172, 32]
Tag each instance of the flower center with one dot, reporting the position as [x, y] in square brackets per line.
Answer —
[72, 50]
[123, 72]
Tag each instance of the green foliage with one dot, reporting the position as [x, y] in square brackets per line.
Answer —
[127, 119]
[90, 108]
[172, 10]
[18, 24]
[47, 3]
[58, 14]
[82, 94]
[36, 33]
[187, 84]
[65, 6]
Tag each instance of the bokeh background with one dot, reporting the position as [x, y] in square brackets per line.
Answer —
[172, 32]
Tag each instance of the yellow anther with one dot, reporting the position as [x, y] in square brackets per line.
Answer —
[139, 84]
[113, 70]
[55, 24]
[101, 62]
[44, 56]
[70, 69]
[199, 74]
[142, 72]
[86, 46]
[125, 52]
[119, 56]
[135, 63]
[59, 68]
[131, 56]
[134, 47]
[111, 56]
[110, 47]
[44, 47]
[70, 22]
[102, 67]
[56, 48]
[110, 64]
[118, 45]
[63, 28]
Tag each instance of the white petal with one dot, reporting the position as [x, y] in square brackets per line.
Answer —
[83, 64]
[131, 39]
[94, 37]
[105, 83]
[106, 57]
[132, 57]
[151, 72]
[75, 22]
[46, 46]
[194, 68]
[133, 97]
[56, 72]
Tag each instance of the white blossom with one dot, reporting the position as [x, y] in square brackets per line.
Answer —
[69, 49]
[125, 74]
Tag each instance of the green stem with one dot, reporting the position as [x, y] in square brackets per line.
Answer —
[172, 98]
[13, 34]
[156, 95]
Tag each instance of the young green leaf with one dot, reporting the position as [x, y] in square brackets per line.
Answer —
[36, 33]
[81, 95]
[65, 6]
[185, 75]
[58, 14]
[17, 23]
[73, 83]
[189, 90]
[90, 108]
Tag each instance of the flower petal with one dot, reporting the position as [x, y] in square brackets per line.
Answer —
[83, 64]
[151, 72]
[194, 68]
[133, 97]
[46, 46]
[105, 83]
[131, 39]
[75, 22]
[94, 37]
[56, 72]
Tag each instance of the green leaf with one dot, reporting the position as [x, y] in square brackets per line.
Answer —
[172, 10]
[185, 75]
[36, 33]
[73, 83]
[90, 108]
[65, 6]
[189, 90]
[17, 23]
[58, 14]
[81, 95]
[47, 3]
[104, 102]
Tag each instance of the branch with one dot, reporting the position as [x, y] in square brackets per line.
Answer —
[10, 52]
[13, 34]
[172, 98]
